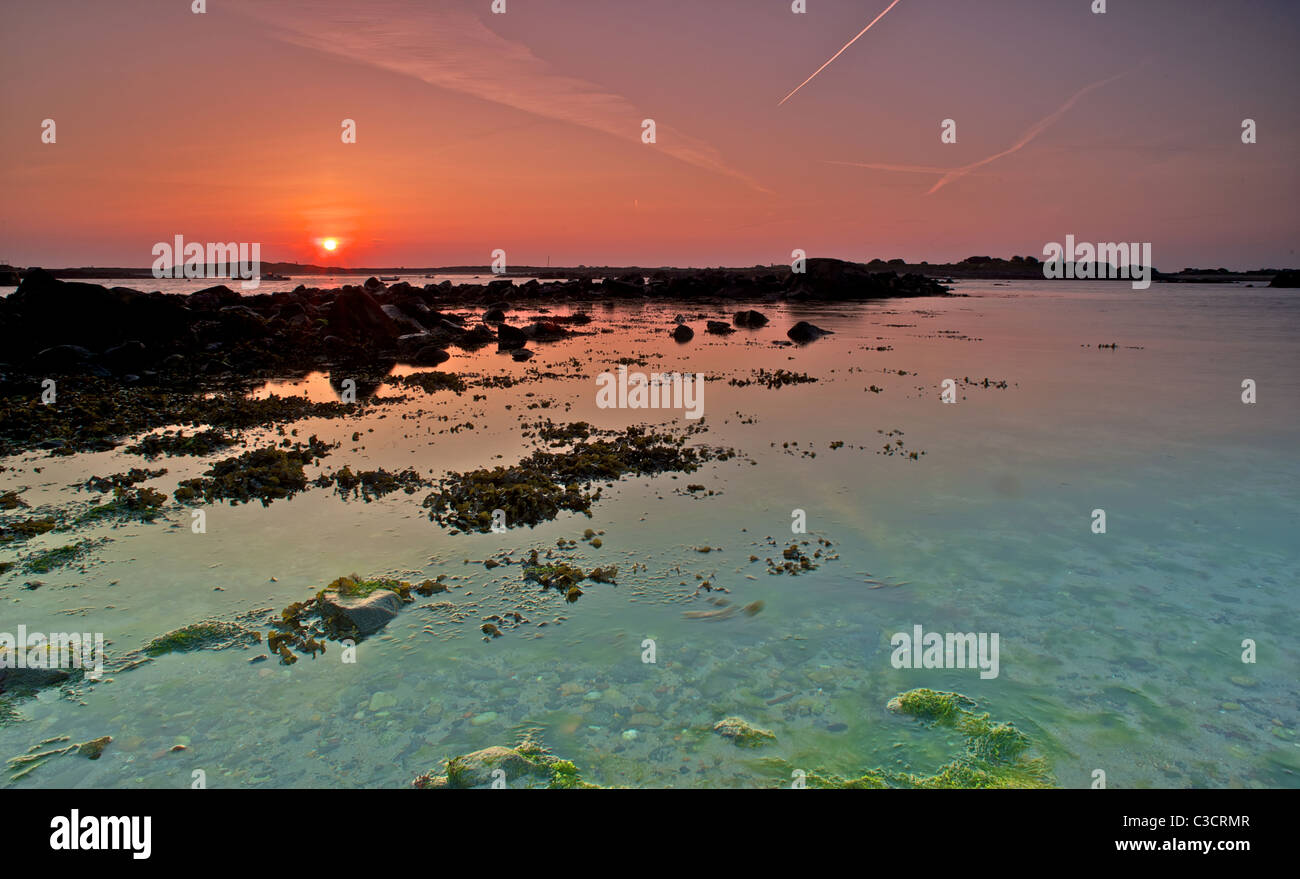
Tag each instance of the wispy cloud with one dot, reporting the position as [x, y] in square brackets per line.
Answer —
[840, 52]
[948, 175]
[446, 45]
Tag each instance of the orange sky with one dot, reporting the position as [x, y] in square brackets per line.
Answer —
[523, 131]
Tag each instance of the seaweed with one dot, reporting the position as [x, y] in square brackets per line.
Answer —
[144, 504]
[264, 474]
[429, 382]
[204, 442]
[204, 635]
[540, 486]
[996, 755]
[47, 560]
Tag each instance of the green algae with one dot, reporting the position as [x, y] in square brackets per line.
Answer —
[203, 635]
[48, 560]
[527, 765]
[142, 504]
[996, 755]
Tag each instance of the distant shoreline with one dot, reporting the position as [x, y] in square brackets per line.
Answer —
[975, 268]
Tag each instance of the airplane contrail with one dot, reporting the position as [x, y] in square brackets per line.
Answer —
[951, 174]
[840, 52]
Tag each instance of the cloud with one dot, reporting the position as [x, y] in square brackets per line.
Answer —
[444, 44]
[948, 175]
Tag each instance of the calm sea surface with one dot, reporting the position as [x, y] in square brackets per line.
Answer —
[1119, 651]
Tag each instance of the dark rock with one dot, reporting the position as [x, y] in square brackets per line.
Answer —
[213, 298]
[750, 319]
[720, 328]
[475, 338]
[127, 356]
[509, 337]
[430, 355]
[806, 332]
[522, 354]
[1286, 278]
[59, 358]
[355, 315]
[494, 315]
[683, 333]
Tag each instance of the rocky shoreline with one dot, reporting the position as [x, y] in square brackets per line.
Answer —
[50, 327]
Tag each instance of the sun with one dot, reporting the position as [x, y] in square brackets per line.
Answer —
[330, 244]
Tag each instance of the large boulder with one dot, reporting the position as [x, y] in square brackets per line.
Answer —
[355, 315]
[44, 312]
[750, 319]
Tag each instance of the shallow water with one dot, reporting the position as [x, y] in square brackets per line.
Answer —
[1118, 650]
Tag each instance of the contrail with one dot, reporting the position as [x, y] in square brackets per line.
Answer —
[840, 52]
[951, 174]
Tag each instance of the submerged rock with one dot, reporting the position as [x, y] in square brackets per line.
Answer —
[742, 733]
[527, 766]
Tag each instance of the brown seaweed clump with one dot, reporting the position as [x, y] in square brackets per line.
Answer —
[540, 486]
[264, 474]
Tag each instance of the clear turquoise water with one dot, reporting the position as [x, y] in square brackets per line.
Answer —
[1117, 651]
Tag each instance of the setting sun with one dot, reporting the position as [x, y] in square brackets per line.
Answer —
[330, 244]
